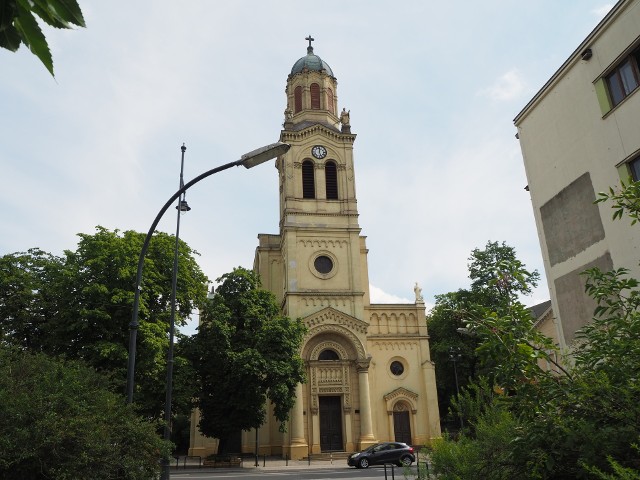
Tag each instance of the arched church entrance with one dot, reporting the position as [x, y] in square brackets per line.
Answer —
[332, 384]
[330, 411]
[402, 407]
[402, 423]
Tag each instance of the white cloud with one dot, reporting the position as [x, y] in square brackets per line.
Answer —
[380, 296]
[507, 87]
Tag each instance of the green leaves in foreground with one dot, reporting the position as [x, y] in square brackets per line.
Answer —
[18, 24]
[61, 421]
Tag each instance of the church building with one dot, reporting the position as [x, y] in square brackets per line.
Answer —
[370, 377]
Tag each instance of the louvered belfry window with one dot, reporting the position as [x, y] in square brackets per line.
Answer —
[298, 99]
[308, 180]
[331, 177]
[330, 101]
[315, 96]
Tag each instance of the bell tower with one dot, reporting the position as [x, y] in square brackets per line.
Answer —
[324, 258]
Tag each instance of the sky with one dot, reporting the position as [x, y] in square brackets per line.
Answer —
[432, 88]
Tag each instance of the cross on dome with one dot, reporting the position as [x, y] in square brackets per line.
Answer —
[310, 39]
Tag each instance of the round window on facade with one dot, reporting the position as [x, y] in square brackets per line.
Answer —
[323, 264]
[396, 368]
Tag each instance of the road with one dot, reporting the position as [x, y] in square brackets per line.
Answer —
[310, 473]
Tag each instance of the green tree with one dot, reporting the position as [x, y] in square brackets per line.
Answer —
[27, 298]
[582, 423]
[59, 420]
[447, 345]
[246, 353]
[18, 24]
[498, 280]
[79, 306]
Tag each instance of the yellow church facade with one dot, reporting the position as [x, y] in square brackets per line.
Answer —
[370, 377]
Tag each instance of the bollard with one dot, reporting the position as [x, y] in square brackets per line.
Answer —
[393, 472]
[264, 460]
[286, 459]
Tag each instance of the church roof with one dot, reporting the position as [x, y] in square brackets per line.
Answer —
[312, 62]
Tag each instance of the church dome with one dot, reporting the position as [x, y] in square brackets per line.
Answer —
[311, 62]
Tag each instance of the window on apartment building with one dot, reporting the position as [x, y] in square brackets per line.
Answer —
[634, 166]
[625, 78]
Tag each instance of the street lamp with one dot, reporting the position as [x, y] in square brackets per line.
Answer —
[181, 207]
[454, 356]
[248, 160]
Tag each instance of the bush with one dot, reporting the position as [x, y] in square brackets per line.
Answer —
[487, 457]
[58, 420]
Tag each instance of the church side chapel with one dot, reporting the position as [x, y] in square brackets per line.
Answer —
[370, 377]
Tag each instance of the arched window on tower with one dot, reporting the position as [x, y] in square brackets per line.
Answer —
[328, 354]
[315, 96]
[331, 177]
[308, 180]
[297, 93]
[330, 101]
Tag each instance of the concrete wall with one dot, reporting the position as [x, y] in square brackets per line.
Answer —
[572, 149]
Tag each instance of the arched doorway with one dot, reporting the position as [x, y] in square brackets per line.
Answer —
[330, 358]
[402, 423]
[330, 423]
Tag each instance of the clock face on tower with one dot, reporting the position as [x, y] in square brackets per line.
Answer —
[319, 151]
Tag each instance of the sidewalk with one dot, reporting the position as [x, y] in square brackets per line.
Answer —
[264, 463]
[268, 463]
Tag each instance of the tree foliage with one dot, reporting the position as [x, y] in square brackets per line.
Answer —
[447, 345]
[498, 280]
[79, 306]
[581, 422]
[246, 353]
[59, 420]
[18, 24]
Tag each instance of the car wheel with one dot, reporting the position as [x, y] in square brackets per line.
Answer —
[363, 463]
[405, 461]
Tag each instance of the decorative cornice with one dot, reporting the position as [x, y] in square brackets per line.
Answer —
[331, 316]
[303, 293]
[286, 135]
[396, 345]
[401, 394]
[323, 243]
[289, 211]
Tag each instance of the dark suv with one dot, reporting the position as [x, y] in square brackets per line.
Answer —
[397, 453]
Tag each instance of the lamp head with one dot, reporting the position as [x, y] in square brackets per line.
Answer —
[263, 154]
[184, 206]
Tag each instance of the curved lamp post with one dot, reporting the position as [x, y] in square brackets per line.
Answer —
[248, 160]
[455, 356]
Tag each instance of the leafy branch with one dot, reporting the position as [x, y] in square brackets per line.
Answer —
[18, 24]
[625, 200]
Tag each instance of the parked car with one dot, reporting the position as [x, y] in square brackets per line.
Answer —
[397, 453]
